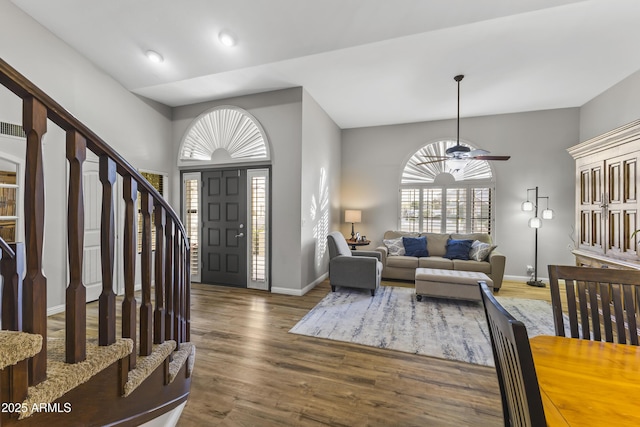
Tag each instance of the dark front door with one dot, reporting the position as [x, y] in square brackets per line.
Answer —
[224, 250]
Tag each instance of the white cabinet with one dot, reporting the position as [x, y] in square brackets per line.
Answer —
[607, 207]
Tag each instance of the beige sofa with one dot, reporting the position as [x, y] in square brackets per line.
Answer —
[404, 267]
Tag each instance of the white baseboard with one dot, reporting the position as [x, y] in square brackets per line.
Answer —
[524, 279]
[60, 308]
[300, 292]
[55, 309]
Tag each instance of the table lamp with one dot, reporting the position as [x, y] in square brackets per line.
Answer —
[352, 216]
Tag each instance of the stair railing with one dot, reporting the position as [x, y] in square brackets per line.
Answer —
[167, 318]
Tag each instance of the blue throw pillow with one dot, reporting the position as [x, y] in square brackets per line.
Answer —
[458, 249]
[415, 246]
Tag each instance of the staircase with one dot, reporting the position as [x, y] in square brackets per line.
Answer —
[103, 377]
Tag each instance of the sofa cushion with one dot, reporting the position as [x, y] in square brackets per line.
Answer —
[415, 246]
[458, 249]
[394, 246]
[470, 265]
[402, 261]
[436, 262]
[480, 251]
[436, 243]
[483, 237]
[389, 234]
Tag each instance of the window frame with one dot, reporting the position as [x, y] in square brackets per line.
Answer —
[18, 186]
[469, 187]
[436, 180]
[193, 228]
[164, 193]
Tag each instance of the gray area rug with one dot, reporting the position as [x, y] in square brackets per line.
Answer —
[393, 319]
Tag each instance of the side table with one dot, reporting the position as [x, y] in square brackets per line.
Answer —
[355, 243]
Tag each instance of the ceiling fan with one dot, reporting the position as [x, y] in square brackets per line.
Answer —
[459, 155]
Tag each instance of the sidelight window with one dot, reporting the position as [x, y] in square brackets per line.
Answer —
[191, 218]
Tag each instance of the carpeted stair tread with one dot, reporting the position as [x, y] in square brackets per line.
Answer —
[186, 353]
[63, 377]
[145, 365]
[16, 346]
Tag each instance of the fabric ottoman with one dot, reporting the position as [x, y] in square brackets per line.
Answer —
[456, 284]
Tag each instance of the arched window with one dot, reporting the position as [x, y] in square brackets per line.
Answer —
[442, 196]
[225, 134]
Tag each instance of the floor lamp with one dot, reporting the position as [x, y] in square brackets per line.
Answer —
[535, 223]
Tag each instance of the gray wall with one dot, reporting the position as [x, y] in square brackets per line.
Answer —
[280, 114]
[615, 107]
[320, 187]
[373, 160]
[304, 142]
[139, 130]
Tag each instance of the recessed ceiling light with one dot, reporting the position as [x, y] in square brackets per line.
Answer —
[154, 56]
[227, 38]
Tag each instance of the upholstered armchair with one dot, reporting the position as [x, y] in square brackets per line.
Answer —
[352, 269]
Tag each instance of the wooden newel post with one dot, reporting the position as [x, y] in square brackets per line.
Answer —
[34, 119]
[130, 252]
[76, 294]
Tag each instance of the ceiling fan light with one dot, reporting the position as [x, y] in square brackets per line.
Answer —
[456, 164]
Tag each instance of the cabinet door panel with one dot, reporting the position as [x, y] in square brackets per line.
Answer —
[596, 185]
[630, 180]
[585, 228]
[585, 187]
[613, 182]
[596, 230]
[614, 232]
[630, 224]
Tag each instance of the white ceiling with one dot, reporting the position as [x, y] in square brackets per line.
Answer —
[366, 62]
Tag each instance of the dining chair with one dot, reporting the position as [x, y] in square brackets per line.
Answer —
[519, 389]
[597, 300]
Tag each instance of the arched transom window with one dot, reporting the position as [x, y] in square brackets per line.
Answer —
[417, 171]
[225, 134]
[444, 196]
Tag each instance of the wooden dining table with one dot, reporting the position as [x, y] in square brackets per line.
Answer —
[587, 383]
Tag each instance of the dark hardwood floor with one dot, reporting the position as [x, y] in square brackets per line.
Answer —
[251, 372]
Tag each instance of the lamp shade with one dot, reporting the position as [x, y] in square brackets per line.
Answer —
[535, 222]
[547, 214]
[527, 206]
[352, 216]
